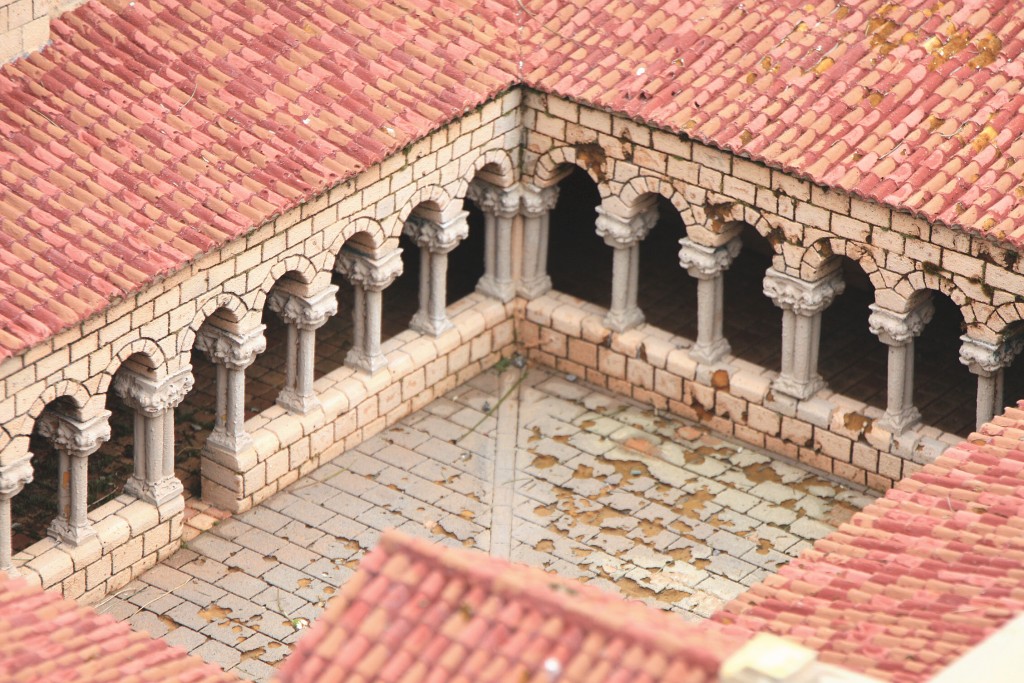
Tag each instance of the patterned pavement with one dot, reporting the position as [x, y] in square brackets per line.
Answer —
[589, 486]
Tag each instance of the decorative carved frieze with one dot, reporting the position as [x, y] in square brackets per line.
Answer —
[621, 232]
[373, 274]
[897, 329]
[985, 358]
[800, 296]
[306, 313]
[73, 437]
[233, 351]
[536, 201]
[437, 238]
[14, 476]
[707, 263]
[153, 397]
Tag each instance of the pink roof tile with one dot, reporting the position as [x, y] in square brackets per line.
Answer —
[918, 577]
[47, 638]
[418, 611]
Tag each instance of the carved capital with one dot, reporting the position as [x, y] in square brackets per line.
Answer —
[14, 476]
[306, 313]
[153, 397]
[233, 351]
[374, 274]
[707, 263]
[985, 358]
[897, 329]
[72, 437]
[537, 201]
[621, 232]
[437, 238]
[802, 297]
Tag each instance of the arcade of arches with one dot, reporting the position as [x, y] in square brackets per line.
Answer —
[644, 272]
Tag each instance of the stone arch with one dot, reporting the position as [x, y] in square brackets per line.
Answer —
[85, 403]
[495, 165]
[230, 306]
[913, 284]
[644, 185]
[145, 347]
[435, 198]
[549, 169]
[1000, 320]
[302, 267]
[364, 231]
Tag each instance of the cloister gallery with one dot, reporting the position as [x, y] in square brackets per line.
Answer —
[227, 260]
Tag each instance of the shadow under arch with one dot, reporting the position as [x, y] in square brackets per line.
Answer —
[579, 262]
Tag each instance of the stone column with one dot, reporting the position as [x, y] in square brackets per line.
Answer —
[624, 235]
[898, 331]
[232, 353]
[802, 303]
[154, 402]
[435, 240]
[988, 361]
[708, 265]
[303, 315]
[500, 205]
[74, 441]
[369, 276]
[537, 203]
[13, 477]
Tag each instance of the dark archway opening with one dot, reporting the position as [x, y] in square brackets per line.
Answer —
[753, 323]
[579, 262]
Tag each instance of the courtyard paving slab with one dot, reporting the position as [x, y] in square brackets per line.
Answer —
[524, 464]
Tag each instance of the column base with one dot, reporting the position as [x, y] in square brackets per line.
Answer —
[161, 492]
[297, 404]
[900, 422]
[357, 359]
[534, 287]
[430, 326]
[627, 320]
[228, 443]
[62, 531]
[796, 389]
[709, 354]
[503, 291]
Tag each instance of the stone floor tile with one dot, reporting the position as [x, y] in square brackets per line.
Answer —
[218, 653]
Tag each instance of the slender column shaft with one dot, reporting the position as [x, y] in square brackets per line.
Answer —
[624, 234]
[220, 421]
[291, 357]
[802, 303]
[898, 330]
[303, 314]
[490, 246]
[436, 241]
[988, 361]
[232, 353]
[13, 477]
[305, 363]
[620, 282]
[535, 209]
[6, 565]
[169, 453]
[359, 319]
[426, 292]
[64, 486]
[373, 321]
[79, 503]
[708, 265]
[503, 253]
[438, 288]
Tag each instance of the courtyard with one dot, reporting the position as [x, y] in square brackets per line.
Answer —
[522, 463]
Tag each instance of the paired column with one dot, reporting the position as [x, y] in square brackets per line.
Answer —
[802, 303]
[74, 441]
[369, 276]
[500, 205]
[537, 203]
[708, 265]
[303, 315]
[624, 234]
[13, 477]
[988, 361]
[232, 353]
[154, 402]
[898, 331]
[435, 240]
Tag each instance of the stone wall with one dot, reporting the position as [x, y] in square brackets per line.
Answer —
[159, 325]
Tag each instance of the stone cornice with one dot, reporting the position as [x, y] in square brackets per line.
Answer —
[306, 313]
[800, 296]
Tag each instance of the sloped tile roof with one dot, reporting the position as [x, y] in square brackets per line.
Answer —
[45, 638]
[918, 577]
[150, 132]
[418, 611]
[916, 104]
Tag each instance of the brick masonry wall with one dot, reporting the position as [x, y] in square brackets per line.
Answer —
[161, 322]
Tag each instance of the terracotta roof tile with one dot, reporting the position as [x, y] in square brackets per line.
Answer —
[918, 577]
[430, 613]
[47, 638]
[150, 132]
